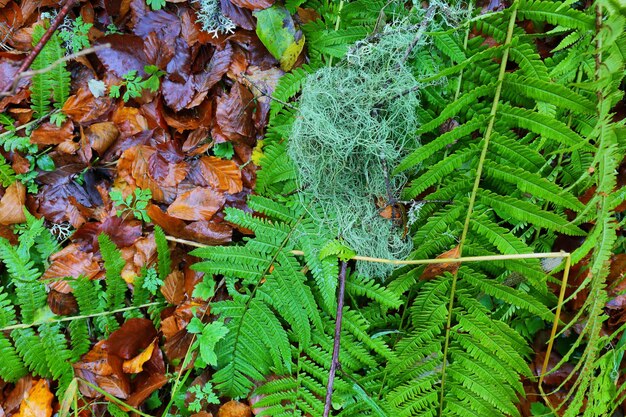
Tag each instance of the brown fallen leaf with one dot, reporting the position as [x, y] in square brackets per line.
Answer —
[221, 174]
[51, 134]
[432, 271]
[253, 4]
[38, 402]
[12, 204]
[135, 365]
[198, 204]
[173, 288]
[234, 409]
[71, 261]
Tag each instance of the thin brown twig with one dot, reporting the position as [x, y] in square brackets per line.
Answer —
[46, 36]
[420, 31]
[337, 340]
[31, 73]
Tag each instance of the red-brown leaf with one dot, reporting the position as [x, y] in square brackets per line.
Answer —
[125, 54]
[130, 339]
[71, 261]
[221, 174]
[84, 108]
[253, 4]
[198, 204]
[234, 115]
[432, 271]
[51, 134]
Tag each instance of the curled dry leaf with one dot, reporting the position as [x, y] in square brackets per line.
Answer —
[96, 368]
[434, 270]
[140, 254]
[12, 204]
[38, 402]
[135, 365]
[101, 135]
[198, 204]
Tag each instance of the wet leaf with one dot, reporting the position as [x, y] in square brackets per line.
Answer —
[234, 409]
[125, 54]
[234, 115]
[130, 339]
[434, 270]
[173, 288]
[278, 32]
[51, 134]
[84, 108]
[253, 4]
[221, 174]
[198, 204]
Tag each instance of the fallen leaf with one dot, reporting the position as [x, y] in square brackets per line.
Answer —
[173, 288]
[130, 339]
[234, 409]
[253, 4]
[51, 134]
[432, 271]
[221, 174]
[135, 365]
[38, 402]
[101, 135]
[84, 108]
[62, 304]
[198, 204]
[125, 54]
[234, 115]
[278, 32]
[73, 262]
[12, 204]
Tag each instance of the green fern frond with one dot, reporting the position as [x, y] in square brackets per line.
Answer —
[163, 253]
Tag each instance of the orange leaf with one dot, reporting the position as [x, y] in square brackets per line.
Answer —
[432, 271]
[83, 107]
[197, 204]
[12, 204]
[173, 288]
[70, 262]
[222, 174]
[51, 134]
[135, 365]
[38, 402]
[234, 409]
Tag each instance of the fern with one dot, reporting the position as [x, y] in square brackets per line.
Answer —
[55, 82]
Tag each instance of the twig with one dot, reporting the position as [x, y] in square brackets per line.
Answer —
[46, 36]
[561, 254]
[266, 94]
[336, 344]
[31, 73]
[420, 31]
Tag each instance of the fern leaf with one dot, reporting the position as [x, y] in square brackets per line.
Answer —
[509, 207]
[163, 253]
[11, 367]
[553, 13]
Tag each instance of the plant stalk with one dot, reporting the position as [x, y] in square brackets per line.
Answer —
[336, 345]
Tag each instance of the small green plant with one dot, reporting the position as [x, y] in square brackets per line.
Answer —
[202, 393]
[151, 281]
[74, 34]
[207, 336]
[135, 203]
[112, 30]
[135, 84]
[156, 4]
[224, 150]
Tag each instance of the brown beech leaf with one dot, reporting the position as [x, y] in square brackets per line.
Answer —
[101, 135]
[12, 204]
[84, 108]
[253, 4]
[125, 54]
[140, 254]
[198, 204]
[134, 167]
[173, 288]
[221, 174]
[432, 271]
[234, 115]
[217, 67]
[135, 365]
[130, 339]
[234, 409]
[71, 261]
[102, 370]
[62, 304]
[38, 402]
[51, 134]
[11, 401]
[209, 232]
[240, 16]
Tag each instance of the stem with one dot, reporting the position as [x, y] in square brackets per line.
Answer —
[337, 22]
[335, 360]
[472, 199]
[46, 36]
[427, 18]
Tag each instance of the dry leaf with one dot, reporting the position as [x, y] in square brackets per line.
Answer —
[221, 174]
[173, 288]
[51, 134]
[12, 204]
[135, 365]
[38, 402]
[432, 271]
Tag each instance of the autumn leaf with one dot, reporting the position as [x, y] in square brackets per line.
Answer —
[432, 271]
[221, 174]
[198, 204]
[12, 204]
[135, 365]
[38, 401]
[278, 32]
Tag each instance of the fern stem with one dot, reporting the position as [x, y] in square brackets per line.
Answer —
[472, 200]
[337, 23]
[337, 340]
[86, 316]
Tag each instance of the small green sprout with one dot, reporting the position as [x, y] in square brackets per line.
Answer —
[135, 84]
[136, 203]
